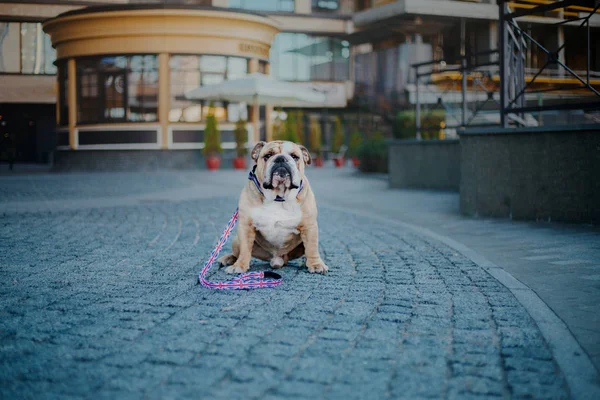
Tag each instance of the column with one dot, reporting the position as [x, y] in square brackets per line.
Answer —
[164, 98]
[268, 112]
[493, 39]
[254, 109]
[57, 91]
[72, 96]
[561, 53]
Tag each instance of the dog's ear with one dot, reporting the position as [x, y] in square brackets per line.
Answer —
[306, 155]
[256, 150]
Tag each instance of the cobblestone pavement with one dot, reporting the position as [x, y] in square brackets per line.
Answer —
[102, 302]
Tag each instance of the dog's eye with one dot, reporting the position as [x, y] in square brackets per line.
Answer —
[266, 157]
[295, 157]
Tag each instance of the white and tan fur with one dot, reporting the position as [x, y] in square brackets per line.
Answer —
[277, 231]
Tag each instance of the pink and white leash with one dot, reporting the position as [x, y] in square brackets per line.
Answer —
[248, 280]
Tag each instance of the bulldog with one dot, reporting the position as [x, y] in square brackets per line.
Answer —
[277, 211]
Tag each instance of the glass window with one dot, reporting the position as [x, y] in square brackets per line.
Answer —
[9, 47]
[300, 57]
[263, 5]
[236, 67]
[142, 89]
[26, 49]
[189, 72]
[325, 5]
[217, 64]
[118, 89]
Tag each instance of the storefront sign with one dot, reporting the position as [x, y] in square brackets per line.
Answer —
[254, 49]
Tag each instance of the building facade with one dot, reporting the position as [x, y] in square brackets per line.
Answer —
[390, 35]
[82, 75]
[111, 75]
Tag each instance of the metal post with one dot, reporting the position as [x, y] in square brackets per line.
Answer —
[463, 54]
[502, 38]
[418, 109]
[588, 49]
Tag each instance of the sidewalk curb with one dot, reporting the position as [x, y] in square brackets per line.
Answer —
[579, 372]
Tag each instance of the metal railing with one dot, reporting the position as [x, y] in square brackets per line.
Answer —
[477, 69]
[513, 42]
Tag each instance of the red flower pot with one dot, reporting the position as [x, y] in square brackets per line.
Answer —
[355, 161]
[239, 163]
[339, 162]
[213, 163]
[318, 161]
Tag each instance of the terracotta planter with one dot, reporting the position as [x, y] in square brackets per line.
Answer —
[339, 162]
[239, 163]
[355, 161]
[213, 163]
[318, 161]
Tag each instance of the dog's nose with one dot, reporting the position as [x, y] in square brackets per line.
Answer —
[279, 159]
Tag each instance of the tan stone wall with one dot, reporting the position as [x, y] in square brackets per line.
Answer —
[36, 11]
[162, 31]
[27, 89]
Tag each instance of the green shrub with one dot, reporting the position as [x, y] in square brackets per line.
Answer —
[404, 126]
[300, 126]
[373, 154]
[212, 136]
[354, 145]
[338, 135]
[241, 138]
[291, 127]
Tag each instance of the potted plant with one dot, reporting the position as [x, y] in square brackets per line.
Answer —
[315, 141]
[291, 127]
[338, 143]
[241, 139]
[278, 126]
[354, 145]
[212, 141]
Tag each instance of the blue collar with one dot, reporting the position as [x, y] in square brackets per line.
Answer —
[253, 178]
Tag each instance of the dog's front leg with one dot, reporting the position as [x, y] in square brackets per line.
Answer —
[310, 238]
[246, 235]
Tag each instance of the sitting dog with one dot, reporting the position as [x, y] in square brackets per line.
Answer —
[277, 211]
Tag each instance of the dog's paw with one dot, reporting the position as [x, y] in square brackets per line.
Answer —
[318, 267]
[236, 269]
[226, 260]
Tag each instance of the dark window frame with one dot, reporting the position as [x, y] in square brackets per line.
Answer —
[279, 8]
[317, 8]
[100, 98]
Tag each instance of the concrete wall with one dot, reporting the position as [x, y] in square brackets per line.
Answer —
[532, 173]
[428, 164]
[135, 160]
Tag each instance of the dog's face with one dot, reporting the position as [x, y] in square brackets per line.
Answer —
[280, 165]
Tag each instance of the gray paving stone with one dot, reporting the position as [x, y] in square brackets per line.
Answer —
[101, 302]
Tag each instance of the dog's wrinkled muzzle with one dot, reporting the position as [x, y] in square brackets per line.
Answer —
[281, 175]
